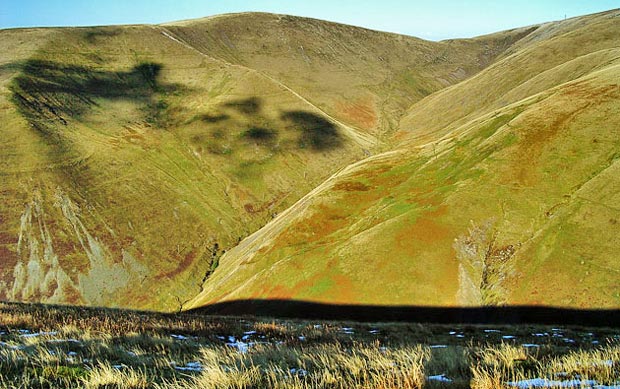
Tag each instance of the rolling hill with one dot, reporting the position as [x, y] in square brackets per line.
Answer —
[261, 156]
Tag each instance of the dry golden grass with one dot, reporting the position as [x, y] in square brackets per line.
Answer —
[39, 350]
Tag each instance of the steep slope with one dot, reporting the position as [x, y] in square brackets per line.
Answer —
[365, 78]
[133, 157]
[553, 53]
[129, 164]
[503, 191]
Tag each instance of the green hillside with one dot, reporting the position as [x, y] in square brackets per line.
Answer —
[503, 191]
[133, 157]
[268, 156]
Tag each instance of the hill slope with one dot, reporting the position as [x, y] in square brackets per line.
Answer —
[503, 190]
[133, 157]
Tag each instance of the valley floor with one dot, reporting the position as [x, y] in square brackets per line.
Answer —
[52, 347]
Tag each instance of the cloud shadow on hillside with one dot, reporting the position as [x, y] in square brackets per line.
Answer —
[317, 132]
[47, 92]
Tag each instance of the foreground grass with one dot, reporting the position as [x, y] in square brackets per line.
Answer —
[55, 347]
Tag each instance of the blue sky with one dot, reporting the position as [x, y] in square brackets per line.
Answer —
[434, 19]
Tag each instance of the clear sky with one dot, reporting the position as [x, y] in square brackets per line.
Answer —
[429, 19]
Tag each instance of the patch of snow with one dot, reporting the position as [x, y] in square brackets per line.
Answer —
[72, 354]
[189, 366]
[299, 372]
[36, 334]
[568, 340]
[119, 367]
[11, 346]
[545, 383]
[181, 337]
[530, 345]
[302, 338]
[460, 336]
[595, 342]
[374, 331]
[491, 331]
[249, 333]
[242, 347]
[509, 337]
[440, 378]
[317, 326]
[452, 332]
[540, 334]
[438, 346]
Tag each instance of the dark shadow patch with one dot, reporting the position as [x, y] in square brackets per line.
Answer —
[212, 118]
[260, 135]
[415, 314]
[317, 132]
[249, 106]
[94, 34]
[48, 93]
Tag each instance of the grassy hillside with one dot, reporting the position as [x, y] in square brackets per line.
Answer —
[267, 156]
[133, 157]
[503, 191]
[365, 78]
[552, 54]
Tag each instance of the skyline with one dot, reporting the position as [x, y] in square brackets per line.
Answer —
[428, 20]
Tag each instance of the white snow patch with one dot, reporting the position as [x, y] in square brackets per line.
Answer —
[189, 366]
[530, 345]
[509, 337]
[29, 334]
[438, 346]
[182, 337]
[545, 383]
[440, 378]
[11, 346]
[299, 372]
[491, 331]
[242, 347]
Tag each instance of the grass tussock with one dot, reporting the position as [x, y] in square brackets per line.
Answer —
[507, 366]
